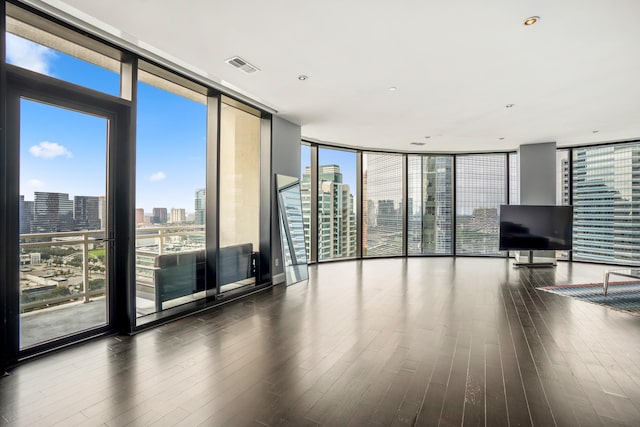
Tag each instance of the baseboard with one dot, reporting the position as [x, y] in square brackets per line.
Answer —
[278, 278]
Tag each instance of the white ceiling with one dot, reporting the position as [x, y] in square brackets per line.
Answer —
[455, 64]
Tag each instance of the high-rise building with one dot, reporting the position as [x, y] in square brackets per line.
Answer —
[336, 213]
[53, 212]
[139, 216]
[26, 215]
[305, 196]
[566, 183]
[606, 201]
[86, 212]
[200, 206]
[178, 216]
[159, 216]
[429, 208]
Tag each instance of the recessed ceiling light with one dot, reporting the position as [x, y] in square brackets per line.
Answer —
[509, 105]
[302, 77]
[417, 143]
[393, 88]
[531, 20]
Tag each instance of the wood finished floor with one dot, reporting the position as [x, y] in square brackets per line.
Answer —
[379, 342]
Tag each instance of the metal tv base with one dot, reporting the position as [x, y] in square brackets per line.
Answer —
[531, 263]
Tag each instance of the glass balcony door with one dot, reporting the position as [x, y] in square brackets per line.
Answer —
[60, 145]
[63, 253]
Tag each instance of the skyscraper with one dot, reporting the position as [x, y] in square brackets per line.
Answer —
[336, 213]
[177, 216]
[26, 215]
[606, 200]
[429, 218]
[159, 216]
[86, 212]
[53, 212]
[443, 210]
[200, 206]
[305, 196]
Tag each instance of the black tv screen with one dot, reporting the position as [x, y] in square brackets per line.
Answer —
[534, 227]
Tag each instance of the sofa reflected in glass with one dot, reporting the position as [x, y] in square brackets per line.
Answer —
[172, 279]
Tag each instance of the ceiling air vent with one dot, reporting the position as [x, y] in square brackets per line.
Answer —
[243, 65]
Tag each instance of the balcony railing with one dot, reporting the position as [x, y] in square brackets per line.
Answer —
[64, 267]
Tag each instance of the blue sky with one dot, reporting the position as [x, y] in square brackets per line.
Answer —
[65, 151]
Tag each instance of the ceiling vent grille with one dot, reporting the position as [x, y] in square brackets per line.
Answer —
[242, 64]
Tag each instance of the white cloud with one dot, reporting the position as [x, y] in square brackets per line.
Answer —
[49, 150]
[29, 55]
[35, 183]
[158, 176]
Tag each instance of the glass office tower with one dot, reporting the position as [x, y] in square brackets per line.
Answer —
[606, 200]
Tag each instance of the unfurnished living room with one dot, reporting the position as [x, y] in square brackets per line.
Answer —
[248, 213]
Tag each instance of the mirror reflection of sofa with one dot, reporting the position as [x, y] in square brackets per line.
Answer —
[181, 274]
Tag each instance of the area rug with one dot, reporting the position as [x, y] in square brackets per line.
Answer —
[623, 296]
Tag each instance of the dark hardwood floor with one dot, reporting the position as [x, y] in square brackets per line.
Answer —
[421, 341]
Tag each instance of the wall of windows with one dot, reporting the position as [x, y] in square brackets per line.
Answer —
[601, 182]
[130, 186]
[407, 202]
[382, 204]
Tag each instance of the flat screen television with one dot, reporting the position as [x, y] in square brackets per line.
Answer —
[535, 227]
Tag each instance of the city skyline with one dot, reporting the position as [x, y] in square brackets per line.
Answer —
[71, 195]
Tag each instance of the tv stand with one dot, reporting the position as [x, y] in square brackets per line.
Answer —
[531, 263]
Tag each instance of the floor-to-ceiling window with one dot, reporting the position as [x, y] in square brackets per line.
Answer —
[336, 204]
[429, 205]
[239, 197]
[382, 204]
[412, 210]
[480, 190]
[171, 150]
[606, 200]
